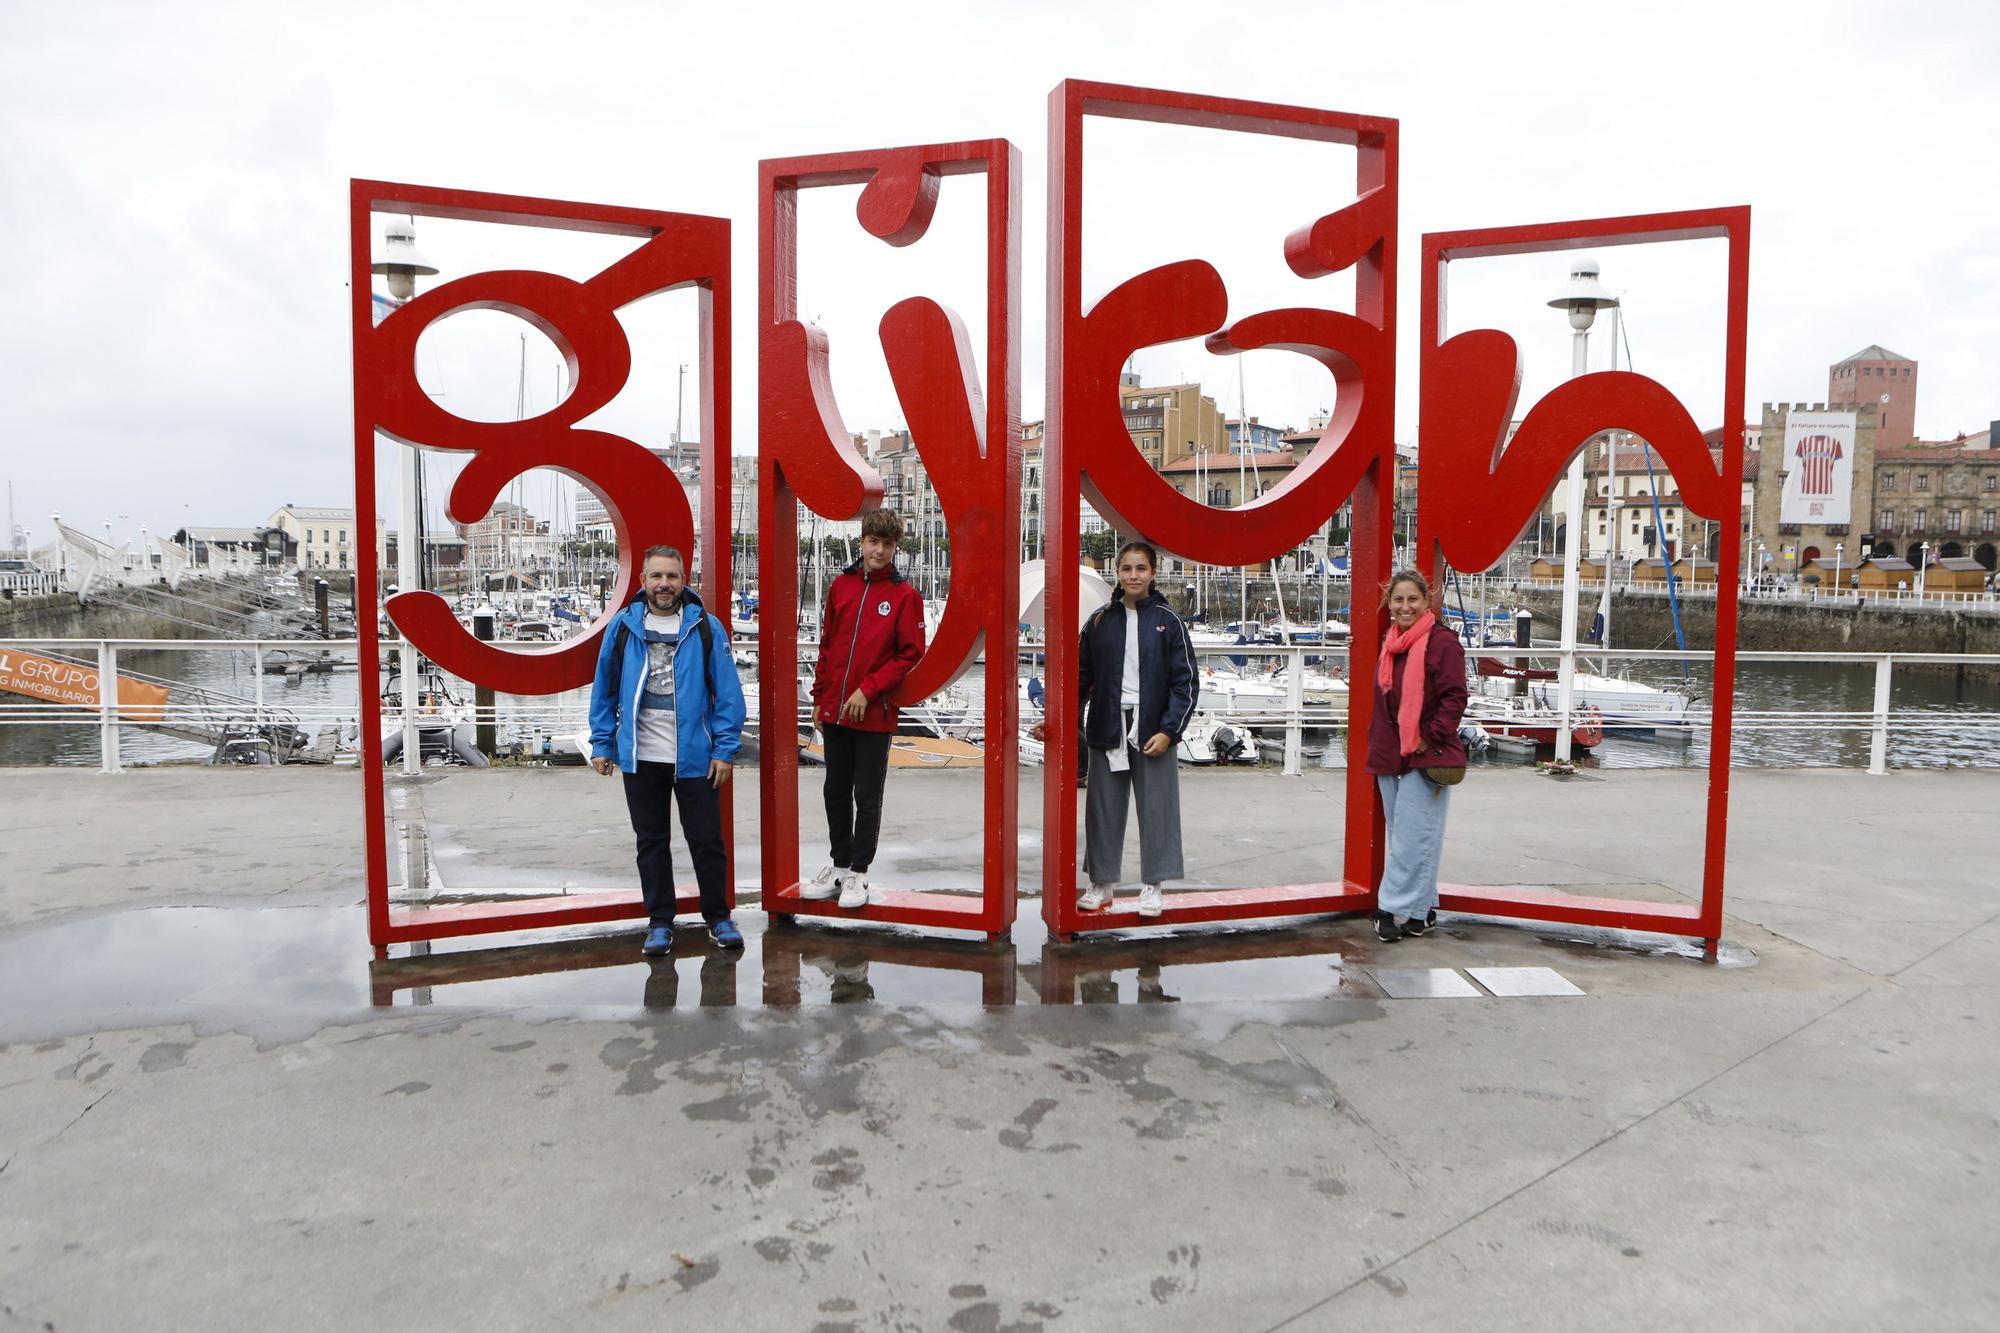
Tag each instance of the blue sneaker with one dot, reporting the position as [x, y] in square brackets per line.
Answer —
[726, 935]
[659, 939]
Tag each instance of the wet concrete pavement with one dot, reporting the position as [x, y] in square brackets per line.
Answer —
[214, 1109]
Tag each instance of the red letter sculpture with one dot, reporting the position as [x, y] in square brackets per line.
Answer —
[1474, 498]
[641, 495]
[970, 444]
[1089, 453]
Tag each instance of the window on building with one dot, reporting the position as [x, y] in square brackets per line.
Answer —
[1989, 482]
[1920, 520]
[325, 536]
[1889, 481]
[1923, 481]
[343, 536]
[1887, 521]
[1951, 520]
[1986, 522]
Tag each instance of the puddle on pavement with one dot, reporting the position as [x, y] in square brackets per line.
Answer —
[807, 964]
[172, 959]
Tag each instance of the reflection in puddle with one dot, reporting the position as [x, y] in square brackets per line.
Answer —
[128, 966]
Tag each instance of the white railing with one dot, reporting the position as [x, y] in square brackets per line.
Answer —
[36, 583]
[1791, 594]
[205, 710]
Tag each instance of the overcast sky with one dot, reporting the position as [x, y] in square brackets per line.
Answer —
[173, 197]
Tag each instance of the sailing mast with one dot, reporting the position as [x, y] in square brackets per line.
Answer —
[1242, 498]
[1611, 507]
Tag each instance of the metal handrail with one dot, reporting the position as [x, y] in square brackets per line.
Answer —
[213, 709]
[1802, 594]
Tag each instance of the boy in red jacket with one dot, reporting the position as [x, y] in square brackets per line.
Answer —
[871, 634]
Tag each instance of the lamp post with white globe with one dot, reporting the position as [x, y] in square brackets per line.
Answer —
[400, 263]
[1582, 298]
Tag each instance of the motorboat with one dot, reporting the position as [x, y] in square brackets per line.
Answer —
[1210, 740]
[446, 732]
[1244, 697]
[1620, 701]
[1316, 687]
[1523, 720]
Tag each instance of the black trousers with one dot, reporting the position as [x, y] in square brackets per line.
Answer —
[648, 793]
[856, 764]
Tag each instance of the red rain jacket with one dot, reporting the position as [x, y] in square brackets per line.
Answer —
[870, 636]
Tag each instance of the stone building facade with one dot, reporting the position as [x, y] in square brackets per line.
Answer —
[1937, 502]
[1785, 548]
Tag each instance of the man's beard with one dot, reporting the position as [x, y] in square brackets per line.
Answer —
[658, 602]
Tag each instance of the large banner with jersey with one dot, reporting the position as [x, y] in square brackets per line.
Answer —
[1818, 468]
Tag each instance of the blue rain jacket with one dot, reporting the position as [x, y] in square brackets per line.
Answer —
[702, 732]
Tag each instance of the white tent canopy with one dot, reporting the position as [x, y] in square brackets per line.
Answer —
[1092, 592]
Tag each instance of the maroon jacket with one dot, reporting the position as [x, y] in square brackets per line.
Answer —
[1444, 705]
[870, 636]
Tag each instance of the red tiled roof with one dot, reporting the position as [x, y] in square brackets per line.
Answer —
[1221, 464]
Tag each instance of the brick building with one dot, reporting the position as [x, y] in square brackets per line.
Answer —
[1878, 378]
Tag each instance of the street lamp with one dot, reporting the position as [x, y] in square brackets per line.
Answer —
[400, 262]
[1837, 548]
[1582, 298]
[1923, 563]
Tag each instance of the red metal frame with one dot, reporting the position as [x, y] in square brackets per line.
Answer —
[643, 498]
[971, 447]
[1474, 499]
[1088, 453]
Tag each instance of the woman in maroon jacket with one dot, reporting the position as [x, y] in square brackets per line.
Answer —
[1419, 698]
[870, 636]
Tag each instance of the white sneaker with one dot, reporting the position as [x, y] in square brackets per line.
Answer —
[1149, 900]
[1096, 897]
[825, 884]
[853, 889]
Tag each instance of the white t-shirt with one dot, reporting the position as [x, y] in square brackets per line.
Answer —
[1128, 685]
[656, 737]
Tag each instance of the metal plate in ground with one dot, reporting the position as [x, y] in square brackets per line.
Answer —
[1423, 983]
[1512, 981]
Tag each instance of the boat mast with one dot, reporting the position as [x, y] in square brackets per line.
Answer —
[1242, 498]
[1611, 504]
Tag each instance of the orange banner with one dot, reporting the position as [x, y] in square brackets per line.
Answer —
[75, 683]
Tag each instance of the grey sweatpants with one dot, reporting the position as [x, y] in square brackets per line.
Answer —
[1157, 785]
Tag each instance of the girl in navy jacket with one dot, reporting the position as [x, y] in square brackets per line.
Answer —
[1135, 696]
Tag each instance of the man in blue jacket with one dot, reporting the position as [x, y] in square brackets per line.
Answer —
[666, 709]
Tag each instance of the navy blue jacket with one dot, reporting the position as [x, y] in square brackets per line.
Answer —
[1166, 672]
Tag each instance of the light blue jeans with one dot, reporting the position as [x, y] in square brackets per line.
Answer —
[1413, 812]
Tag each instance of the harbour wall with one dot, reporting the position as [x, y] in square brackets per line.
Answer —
[62, 616]
[208, 609]
[1645, 620]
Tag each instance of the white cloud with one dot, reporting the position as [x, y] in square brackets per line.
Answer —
[174, 181]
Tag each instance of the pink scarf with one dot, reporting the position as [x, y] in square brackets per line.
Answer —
[1408, 644]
